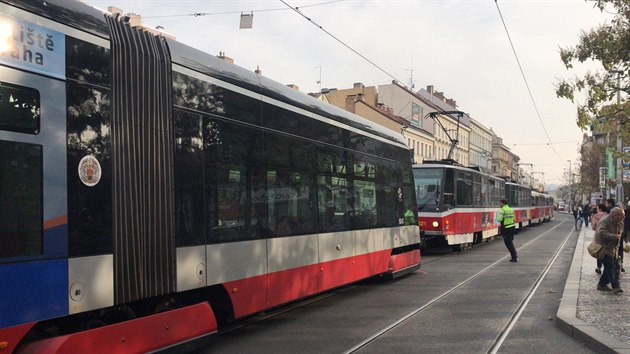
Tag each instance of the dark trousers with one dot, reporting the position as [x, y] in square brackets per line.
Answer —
[508, 239]
[610, 274]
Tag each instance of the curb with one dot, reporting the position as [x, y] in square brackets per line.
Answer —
[566, 317]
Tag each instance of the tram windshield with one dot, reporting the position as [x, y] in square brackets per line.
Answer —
[428, 183]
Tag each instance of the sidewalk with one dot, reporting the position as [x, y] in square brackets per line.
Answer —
[601, 320]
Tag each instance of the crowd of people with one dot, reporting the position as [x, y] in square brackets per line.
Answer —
[611, 223]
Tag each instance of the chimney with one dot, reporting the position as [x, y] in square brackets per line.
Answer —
[350, 103]
[430, 89]
[439, 95]
[294, 86]
[257, 71]
[223, 57]
[358, 86]
[451, 102]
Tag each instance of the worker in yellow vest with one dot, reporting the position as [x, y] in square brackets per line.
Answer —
[506, 219]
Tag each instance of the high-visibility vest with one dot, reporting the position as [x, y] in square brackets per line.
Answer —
[506, 216]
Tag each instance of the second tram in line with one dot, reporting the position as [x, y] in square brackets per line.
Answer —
[458, 205]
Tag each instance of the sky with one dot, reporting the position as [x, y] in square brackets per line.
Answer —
[459, 46]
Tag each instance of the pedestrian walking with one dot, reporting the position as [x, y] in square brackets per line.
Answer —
[506, 218]
[601, 212]
[624, 237]
[586, 213]
[608, 235]
[577, 216]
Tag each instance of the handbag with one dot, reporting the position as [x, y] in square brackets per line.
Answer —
[596, 250]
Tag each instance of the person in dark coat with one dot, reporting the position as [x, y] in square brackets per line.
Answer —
[608, 235]
[601, 213]
[624, 237]
[586, 213]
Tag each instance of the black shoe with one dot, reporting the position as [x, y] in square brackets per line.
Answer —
[623, 270]
[513, 260]
[617, 290]
[603, 288]
[598, 271]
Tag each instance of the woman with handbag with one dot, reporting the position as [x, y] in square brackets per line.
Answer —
[608, 234]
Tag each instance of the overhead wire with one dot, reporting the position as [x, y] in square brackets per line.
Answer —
[531, 96]
[557, 143]
[296, 9]
[199, 14]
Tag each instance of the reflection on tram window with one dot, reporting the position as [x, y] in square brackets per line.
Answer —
[233, 173]
[87, 62]
[428, 185]
[89, 208]
[20, 199]
[19, 108]
[206, 97]
[189, 215]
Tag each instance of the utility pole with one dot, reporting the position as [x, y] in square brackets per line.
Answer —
[518, 172]
[619, 191]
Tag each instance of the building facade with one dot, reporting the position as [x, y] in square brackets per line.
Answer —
[480, 147]
[504, 161]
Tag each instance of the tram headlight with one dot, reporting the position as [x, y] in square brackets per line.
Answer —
[436, 224]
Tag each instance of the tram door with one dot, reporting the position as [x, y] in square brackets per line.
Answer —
[33, 222]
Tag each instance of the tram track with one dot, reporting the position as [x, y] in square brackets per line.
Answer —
[513, 318]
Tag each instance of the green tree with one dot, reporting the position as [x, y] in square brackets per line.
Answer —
[608, 44]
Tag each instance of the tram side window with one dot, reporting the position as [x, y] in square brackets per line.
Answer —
[89, 207]
[364, 198]
[19, 108]
[234, 179]
[288, 201]
[390, 209]
[289, 196]
[87, 62]
[449, 187]
[411, 210]
[203, 96]
[20, 199]
[476, 191]
[286, 121]
[332, 189]
[189, 200]
[464, 188]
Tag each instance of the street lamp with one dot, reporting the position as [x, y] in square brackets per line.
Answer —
[619, 164]
[570, 187]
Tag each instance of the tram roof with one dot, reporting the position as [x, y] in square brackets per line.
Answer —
[440, 164]
[91, 19]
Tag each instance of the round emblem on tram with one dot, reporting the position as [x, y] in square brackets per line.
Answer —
[89, 170]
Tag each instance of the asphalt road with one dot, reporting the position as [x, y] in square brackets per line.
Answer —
[469, 302]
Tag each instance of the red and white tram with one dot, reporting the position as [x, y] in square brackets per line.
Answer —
[457, 206]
